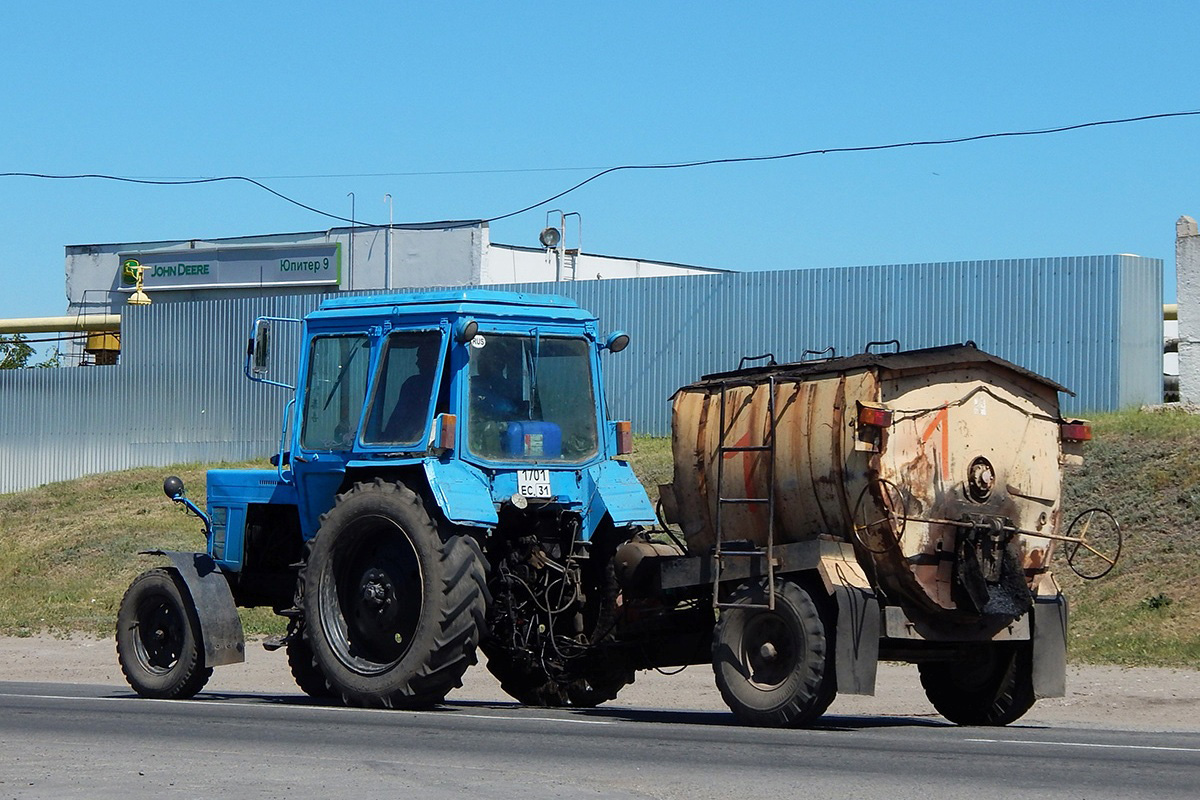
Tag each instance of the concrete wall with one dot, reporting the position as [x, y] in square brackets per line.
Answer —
[1187, 283]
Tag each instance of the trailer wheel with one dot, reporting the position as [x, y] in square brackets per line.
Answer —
[770, 664]
[394, 610]
[307, 674]
[994, 686]
[158, 638]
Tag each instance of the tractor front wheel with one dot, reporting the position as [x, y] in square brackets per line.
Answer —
[158, 638]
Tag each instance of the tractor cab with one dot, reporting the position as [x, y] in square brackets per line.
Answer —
[484, 398]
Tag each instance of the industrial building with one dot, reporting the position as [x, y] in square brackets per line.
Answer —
[101, 277]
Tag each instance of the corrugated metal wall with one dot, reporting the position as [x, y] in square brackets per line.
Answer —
[1093, 324]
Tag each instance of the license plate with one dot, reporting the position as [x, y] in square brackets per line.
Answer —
[534, 483]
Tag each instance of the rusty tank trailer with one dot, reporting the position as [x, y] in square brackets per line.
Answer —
[898, 505]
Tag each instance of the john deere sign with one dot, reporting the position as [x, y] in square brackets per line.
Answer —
[234, 267]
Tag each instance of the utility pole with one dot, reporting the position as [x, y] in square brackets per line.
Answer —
[387, 272]
[350, 266]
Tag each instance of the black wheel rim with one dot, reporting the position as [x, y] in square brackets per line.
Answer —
[770, 650]
[371, 595]
[160, 633]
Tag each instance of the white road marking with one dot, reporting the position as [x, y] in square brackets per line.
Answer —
[450, 712]
[1090, 744]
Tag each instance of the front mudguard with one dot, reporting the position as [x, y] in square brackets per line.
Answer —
[220, 625]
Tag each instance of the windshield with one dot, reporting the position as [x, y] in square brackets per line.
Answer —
[334, 391]
[531, 399]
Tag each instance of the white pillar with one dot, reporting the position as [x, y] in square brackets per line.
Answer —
[1187, 283]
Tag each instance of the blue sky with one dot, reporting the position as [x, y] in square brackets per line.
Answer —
[495, 106]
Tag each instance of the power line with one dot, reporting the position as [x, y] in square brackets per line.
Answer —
[179, 182]
[857, 149]
[603, 172]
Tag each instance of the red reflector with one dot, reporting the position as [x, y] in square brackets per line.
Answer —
[446, 431]
[1076, 431]
[879, 417]
[624, 438]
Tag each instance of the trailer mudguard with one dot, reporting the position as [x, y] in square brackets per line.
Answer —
[1050, 646]
[856, 642]
[220, 625]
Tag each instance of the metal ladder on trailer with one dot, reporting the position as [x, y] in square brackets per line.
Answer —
[720, 552]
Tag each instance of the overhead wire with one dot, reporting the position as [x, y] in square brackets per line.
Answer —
[603, 172]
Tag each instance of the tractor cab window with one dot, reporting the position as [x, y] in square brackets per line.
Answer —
[335, 388]
[530, 399]
[404, 389]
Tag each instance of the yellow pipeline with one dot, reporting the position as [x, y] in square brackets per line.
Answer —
[83, 322]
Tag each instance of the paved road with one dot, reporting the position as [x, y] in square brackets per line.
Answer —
[77, 741]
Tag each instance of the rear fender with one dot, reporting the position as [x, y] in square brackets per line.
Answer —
[220, 626]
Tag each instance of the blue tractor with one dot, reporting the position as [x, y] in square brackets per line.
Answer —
[447, 480]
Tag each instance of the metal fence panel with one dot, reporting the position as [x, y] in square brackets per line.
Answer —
[179, 395]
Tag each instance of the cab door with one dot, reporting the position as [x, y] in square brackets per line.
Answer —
[330, 411]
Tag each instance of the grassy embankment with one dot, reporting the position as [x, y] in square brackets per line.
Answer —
[68, 550]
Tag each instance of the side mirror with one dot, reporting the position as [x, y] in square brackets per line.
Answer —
[260, 347]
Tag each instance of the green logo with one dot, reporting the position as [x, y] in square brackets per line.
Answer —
[129, 271]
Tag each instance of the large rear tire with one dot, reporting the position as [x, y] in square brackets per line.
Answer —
[770, 665]
[158, 638]
[305, 671]
[393, 609]
[994, 686]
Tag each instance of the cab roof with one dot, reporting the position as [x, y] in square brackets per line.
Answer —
[474, 302]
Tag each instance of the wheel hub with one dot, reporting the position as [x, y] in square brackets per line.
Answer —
[770, 651]
[377, 593]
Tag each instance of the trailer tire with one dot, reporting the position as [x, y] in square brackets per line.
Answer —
[158, 638]
[993, 687]
[393, 609]
[770, 664]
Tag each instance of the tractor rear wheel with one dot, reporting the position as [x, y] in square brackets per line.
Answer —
[393, 609]
[993, 686]
[307, 674]
[158, 638]
[770, 665]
